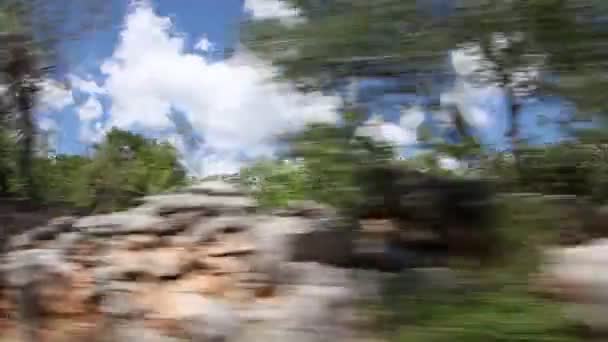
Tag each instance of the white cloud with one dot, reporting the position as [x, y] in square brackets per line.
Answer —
[379, 130]
[272, 9]
[469, 100]
[448, 163]
[46, 124]
[54, 96]
[90, 110]
[411, 118]
[204, 45]
[468, 95]
[86, 86]
[231, 104]
[92, 132]
[467, 60]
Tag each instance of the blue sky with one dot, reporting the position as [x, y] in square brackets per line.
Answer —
[164, 58]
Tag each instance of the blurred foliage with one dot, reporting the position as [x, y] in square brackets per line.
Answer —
[124, 166]
[338, 39]
[491, 312]
[321, 164]
[31, 34]
[481, 304]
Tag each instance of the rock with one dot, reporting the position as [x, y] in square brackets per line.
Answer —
[44, 233]
[153, 263]
[577, 275]
[64, 223]
[326, 246]
[182, 220]
[315, 274]
[204, 319]
[206, 228]
[71, 297]
[194, 317]
[181, 241]
[168, 262]
[67, 241]
[187, 202]
[120, 304]
[20, 241]
[121, 223]
[33, 266]
[129, 331]
[231, 245]
[141, 241]
[222, 265]
[300, 319]
[299, 239]
[310, 209]
[216, 188]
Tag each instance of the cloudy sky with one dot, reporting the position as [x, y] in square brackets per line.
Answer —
[163, 62]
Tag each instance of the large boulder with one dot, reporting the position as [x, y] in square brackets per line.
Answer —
[576, 276]
[300, 239]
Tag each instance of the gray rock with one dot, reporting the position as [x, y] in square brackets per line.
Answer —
[44, 233]
[63, 223]
[300, 239]
[155, 263]
[207, 227]
[130, 330]
[36, 265]
[216, 188]
[315, 274]
[20, 241]
[311, 314]
[186, 202]
[119, 304]
[66, 241]
[205, 319]
[121, 223]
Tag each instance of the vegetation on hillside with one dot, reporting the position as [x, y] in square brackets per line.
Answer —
[527, 50]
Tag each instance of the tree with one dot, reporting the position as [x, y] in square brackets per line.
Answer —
[125, 166]
[30, 36]
[521, 46]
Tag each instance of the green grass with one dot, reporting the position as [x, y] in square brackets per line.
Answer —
[494, 305]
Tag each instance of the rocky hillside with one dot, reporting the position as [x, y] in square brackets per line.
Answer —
[199, 265]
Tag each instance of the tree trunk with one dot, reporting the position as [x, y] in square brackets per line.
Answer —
[26, 150]
[513, 133]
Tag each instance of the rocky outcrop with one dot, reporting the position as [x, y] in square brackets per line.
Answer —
[577, 277]
[198, 265]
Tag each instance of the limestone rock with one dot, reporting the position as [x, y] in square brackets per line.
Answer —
[154, 263]
[300, 239]
[577, 275]
[120, 223]
[141, 241]
[187, 202]
[208, 227]
[195, 317]
[216, 188]
[63, 222]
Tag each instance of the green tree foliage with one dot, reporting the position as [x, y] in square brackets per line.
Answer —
[125, 166]
[522, 46]
[328, 160]
[30, 35]
[277, 183]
